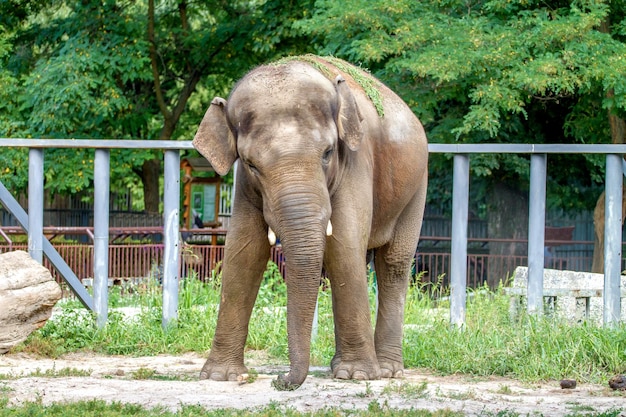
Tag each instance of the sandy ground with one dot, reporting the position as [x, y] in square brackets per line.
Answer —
[174, 382]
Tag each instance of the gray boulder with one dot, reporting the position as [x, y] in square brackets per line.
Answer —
[27, 294]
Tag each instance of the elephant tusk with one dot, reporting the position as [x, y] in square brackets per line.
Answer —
[329, 229]
[271, 236]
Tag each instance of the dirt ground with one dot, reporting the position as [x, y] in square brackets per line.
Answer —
[173, 381]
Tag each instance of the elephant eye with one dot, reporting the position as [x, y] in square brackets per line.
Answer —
[327, 155]
[252, 167]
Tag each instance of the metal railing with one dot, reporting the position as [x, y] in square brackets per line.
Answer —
[38, 245]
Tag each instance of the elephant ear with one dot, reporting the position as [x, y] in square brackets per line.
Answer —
[348, 117]
[215, 139]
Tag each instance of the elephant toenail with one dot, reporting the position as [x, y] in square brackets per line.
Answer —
[342, 374]
[399, 374]
[385, 373]
[360, 375]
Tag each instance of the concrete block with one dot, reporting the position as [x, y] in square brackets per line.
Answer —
[570, 295]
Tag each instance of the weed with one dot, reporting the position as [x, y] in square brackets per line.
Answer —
[462, 395]
[60, 373]
[253, 375]
[143, 373]
[4, 389]
[407, 390]
[579, 407]
[368, 391]
[505, 389]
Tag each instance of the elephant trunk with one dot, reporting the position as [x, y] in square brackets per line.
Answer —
[302, 230]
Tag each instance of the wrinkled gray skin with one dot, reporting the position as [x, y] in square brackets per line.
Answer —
[313, 148]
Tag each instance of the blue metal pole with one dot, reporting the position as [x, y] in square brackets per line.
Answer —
[35, 204]
[171, 203]
[612, 238]
[536, 232]
[101, 235]
[458, 255]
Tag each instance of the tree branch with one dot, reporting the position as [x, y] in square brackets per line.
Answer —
[153, 63]
[193, 79]
[184, 23]
[182, 11]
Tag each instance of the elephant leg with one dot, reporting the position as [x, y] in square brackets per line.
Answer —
[393, 264]
[355, 356]
[245, 260]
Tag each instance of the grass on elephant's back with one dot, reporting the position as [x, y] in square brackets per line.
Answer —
[490, 343]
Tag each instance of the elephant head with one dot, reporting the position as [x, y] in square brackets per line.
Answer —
[292, 129]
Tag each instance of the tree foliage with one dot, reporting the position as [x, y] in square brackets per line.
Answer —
[121, 69]
[518, 71]
[473, 71]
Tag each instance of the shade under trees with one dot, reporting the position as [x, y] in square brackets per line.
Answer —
[513, 71]
[497, 71]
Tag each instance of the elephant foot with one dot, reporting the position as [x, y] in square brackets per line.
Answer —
[391, 369]
[359, 370]
[222, 372]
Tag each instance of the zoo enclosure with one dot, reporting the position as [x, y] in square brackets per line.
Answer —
[37, 244]
[132, 262]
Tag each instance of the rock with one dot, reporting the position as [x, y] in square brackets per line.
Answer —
[27, 294]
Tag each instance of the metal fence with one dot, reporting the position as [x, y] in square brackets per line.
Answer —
[138, 262]
[460, 262]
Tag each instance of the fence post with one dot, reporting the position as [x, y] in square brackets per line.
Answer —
[612, 239]
[35, 204]
[101, 235]
[171, 203]
[536, 232]
[458, 254]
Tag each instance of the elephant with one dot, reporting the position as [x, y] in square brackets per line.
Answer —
[334, 164]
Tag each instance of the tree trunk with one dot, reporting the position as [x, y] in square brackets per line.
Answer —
[508, 219]
[597, 264]
[151, 169]
[618, 135]
[150, 173]
[171, 105]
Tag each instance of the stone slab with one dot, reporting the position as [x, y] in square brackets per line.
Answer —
[571, 295]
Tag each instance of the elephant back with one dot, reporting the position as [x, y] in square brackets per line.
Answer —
[331, 67]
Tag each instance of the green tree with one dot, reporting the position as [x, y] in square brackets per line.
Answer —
[9, 118]
[117, 69]
[519, 71]
[75, 70]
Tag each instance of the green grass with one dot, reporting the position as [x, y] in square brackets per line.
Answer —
[97, 408]
[492, 343]
[529, 349]
[50, 373]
